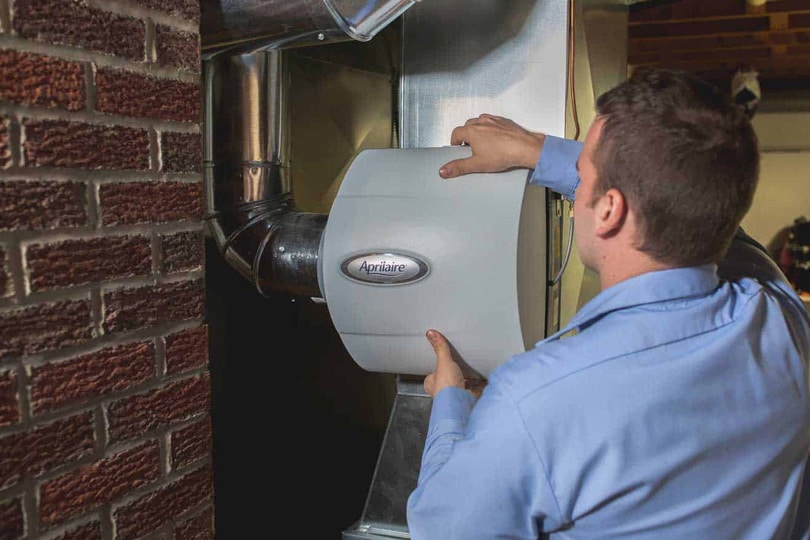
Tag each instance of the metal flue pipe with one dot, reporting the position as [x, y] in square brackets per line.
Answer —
[250, 209]
[251, 214]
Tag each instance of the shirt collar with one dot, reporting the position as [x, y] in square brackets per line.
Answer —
[648, 288]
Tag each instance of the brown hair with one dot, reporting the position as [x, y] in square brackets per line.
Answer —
[685, 158]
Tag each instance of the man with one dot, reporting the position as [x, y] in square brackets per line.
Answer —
[675, 403]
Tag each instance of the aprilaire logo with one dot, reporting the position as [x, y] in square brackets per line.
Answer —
[384, 268]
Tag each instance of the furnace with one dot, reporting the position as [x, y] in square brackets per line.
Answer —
[400, 250]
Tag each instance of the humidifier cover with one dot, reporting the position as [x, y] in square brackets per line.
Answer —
[405, 250]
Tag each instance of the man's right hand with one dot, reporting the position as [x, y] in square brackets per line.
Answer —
[497, 144]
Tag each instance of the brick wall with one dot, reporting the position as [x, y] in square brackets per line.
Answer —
[104, 390]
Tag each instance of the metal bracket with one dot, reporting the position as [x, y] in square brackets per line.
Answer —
[397, 470]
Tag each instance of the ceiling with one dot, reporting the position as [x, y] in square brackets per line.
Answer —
[714, 38]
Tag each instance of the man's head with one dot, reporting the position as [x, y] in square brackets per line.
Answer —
[672, 163]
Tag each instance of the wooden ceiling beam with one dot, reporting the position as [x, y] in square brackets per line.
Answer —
[725, 19]
[803, 49]
[781, 63]
[719, 54]
[713, 55]
[727, 41]
[787, 5]
[685, 9]
[799, 20]
[700, 27]
[736, 25]
[643, 13]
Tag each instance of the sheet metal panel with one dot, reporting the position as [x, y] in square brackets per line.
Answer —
[462, 59]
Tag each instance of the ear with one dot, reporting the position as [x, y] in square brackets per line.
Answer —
[610, 213]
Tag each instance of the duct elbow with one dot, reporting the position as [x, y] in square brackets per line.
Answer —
[272, 244]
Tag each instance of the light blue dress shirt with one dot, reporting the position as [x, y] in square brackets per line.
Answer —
[674, 405]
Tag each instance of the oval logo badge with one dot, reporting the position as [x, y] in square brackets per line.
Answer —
[386, 268]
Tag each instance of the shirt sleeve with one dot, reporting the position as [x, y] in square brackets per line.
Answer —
[481, 476]
[448, 422]
[747, 258]
[557, 167]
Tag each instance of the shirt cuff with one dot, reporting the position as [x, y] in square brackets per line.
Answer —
[557, 167]
[451, 409]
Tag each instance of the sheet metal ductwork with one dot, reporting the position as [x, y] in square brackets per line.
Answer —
[252, 25]
[250, 209]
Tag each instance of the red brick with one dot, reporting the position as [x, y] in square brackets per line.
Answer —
[6, 287]
[176, 48]
[191, 443]
[44, 448]
[59, 143]
[76, 262]
[88, 531]
[137, 415]
[99, 483]
[44, 327]
[73, 22]
[181, 152]
[43, 81]
[41, 205]
[182, 252]
[186, 9]
[153, 510]
[200, 527]
[9, 406]
[5, 146]
[187, 350]
[142, 307]
[11, 520]
[130, 94]
[150, 202]
[93, 375]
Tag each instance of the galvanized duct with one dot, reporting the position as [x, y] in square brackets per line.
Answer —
[252, 25]
[250, 210]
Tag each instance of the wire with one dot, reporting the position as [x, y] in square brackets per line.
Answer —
[571, 70]
[559, 275]
[572, 82]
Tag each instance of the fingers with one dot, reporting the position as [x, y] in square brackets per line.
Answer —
[483, 119]
[489, 119]
[463, 134]
[460, 135]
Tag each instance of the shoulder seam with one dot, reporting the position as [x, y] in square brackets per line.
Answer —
[759, 293]
[505, 386]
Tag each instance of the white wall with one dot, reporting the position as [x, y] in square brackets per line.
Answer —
[784, 186]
